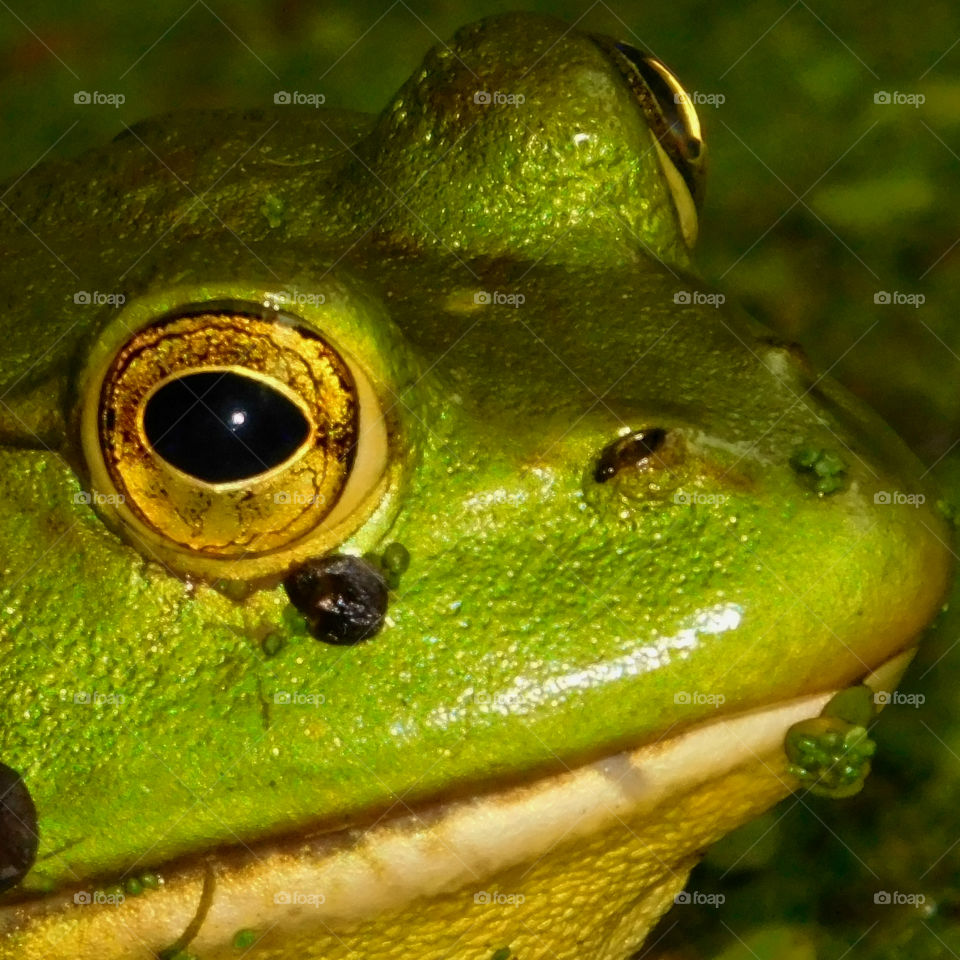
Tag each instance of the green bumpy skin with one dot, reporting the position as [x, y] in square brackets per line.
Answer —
[544, 618]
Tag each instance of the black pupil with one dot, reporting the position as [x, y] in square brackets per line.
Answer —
[221, 426]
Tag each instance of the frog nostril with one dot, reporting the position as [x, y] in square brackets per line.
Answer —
[637, 449]
[343, 598]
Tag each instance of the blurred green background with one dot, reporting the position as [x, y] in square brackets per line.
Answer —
[819, 199]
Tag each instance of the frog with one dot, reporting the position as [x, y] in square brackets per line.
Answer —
[405, 552]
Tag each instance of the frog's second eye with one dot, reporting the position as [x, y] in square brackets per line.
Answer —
[232, 435]
[671, 116]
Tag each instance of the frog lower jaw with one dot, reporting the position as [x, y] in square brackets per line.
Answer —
[334, 881]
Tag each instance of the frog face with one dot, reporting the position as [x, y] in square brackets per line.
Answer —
[391, 519]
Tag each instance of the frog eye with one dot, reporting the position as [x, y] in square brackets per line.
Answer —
[230, 432]
[674, 123]
[224, 426]
[18, 827]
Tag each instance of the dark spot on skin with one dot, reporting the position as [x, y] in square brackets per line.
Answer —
[272, 644]
[264, 705]
[396, 558]
[18, 829]
[343, 598]
[633, 450]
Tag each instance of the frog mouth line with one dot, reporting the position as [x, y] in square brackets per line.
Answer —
[298, 882]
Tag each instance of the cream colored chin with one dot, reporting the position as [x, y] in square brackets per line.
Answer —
[686, 209]
[439, 848]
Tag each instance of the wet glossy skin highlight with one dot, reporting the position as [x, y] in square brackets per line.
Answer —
[513, 281]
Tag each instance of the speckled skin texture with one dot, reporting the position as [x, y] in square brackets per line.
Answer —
[545, 618]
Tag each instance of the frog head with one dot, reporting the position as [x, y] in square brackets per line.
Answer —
[402, 547]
